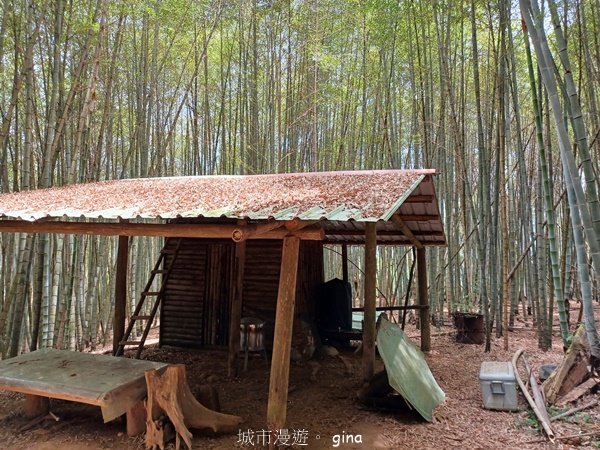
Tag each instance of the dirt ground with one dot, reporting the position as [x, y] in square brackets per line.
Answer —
[323, 414]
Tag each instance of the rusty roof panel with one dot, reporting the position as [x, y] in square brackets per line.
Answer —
[361, 195]
[344, 201]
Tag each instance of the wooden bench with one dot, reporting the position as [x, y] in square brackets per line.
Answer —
[116, 385]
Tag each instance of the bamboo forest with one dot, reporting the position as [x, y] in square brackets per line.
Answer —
[501, 98]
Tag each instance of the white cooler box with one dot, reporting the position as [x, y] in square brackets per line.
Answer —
[498, 386]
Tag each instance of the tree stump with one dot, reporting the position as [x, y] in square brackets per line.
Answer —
[169, 396]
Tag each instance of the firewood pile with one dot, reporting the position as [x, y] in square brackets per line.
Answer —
[574, 377]
[569, 382]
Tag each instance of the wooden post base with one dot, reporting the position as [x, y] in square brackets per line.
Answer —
[35, 406]
[136, 420]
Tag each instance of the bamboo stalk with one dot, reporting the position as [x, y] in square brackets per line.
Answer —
[574, 410]
[569, 436]
[545, 424]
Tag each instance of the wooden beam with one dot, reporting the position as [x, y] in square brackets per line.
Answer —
[392, 308]
[423, 300]
[406, 231]
[345, 262]
[120, 292]
[419, 199]
[282, 340]
[236, 308]
[297, 224]
[212, 231]
[380, 233]
[241, 233]
[329, 241]
[420, 217]
[368, 358]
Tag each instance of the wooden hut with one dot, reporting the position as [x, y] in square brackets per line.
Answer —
[243, 245]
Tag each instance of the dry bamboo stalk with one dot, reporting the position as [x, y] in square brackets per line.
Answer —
[537, 394]
[574, 410]
[569, 436]
[545, 424]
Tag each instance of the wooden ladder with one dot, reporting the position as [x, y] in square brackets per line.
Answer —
[159, 269]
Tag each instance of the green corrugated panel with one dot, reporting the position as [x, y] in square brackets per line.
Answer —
[226, 211]
[259, 215]
[112, 213]
[314, 213]
[286, 214]
[333, 214]
[407, 370]
[169, 215]
[344, 214]
[191, 213]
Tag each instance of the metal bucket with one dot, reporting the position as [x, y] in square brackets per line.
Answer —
[252, 335]
[469, 328]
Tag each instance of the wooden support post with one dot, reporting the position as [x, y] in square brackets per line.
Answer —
[369, 331]
[423, 300]
[345, 262]
[120, 292]
[35, 406]
[136, 419]
[282, 341]
[236, 308]
[297, 224]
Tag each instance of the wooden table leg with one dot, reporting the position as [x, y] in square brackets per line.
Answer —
[36, 405]
[136, 419]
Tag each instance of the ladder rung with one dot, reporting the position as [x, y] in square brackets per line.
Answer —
[148, 293]
[141, 317]
[124, 343]
[157, 271]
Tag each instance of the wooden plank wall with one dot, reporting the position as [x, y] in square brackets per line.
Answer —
[261, 279]
[219, 289]
[310, 275]
[182, 308]
[197, 301]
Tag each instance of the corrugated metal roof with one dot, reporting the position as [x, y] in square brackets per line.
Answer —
[336, 197]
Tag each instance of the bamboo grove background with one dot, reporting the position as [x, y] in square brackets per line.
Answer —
[97, 89]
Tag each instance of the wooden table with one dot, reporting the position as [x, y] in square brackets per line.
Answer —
[116, 385]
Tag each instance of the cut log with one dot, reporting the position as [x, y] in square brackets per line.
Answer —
[578, 374]
[571, 372]
[579, 391]
[169, 395]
